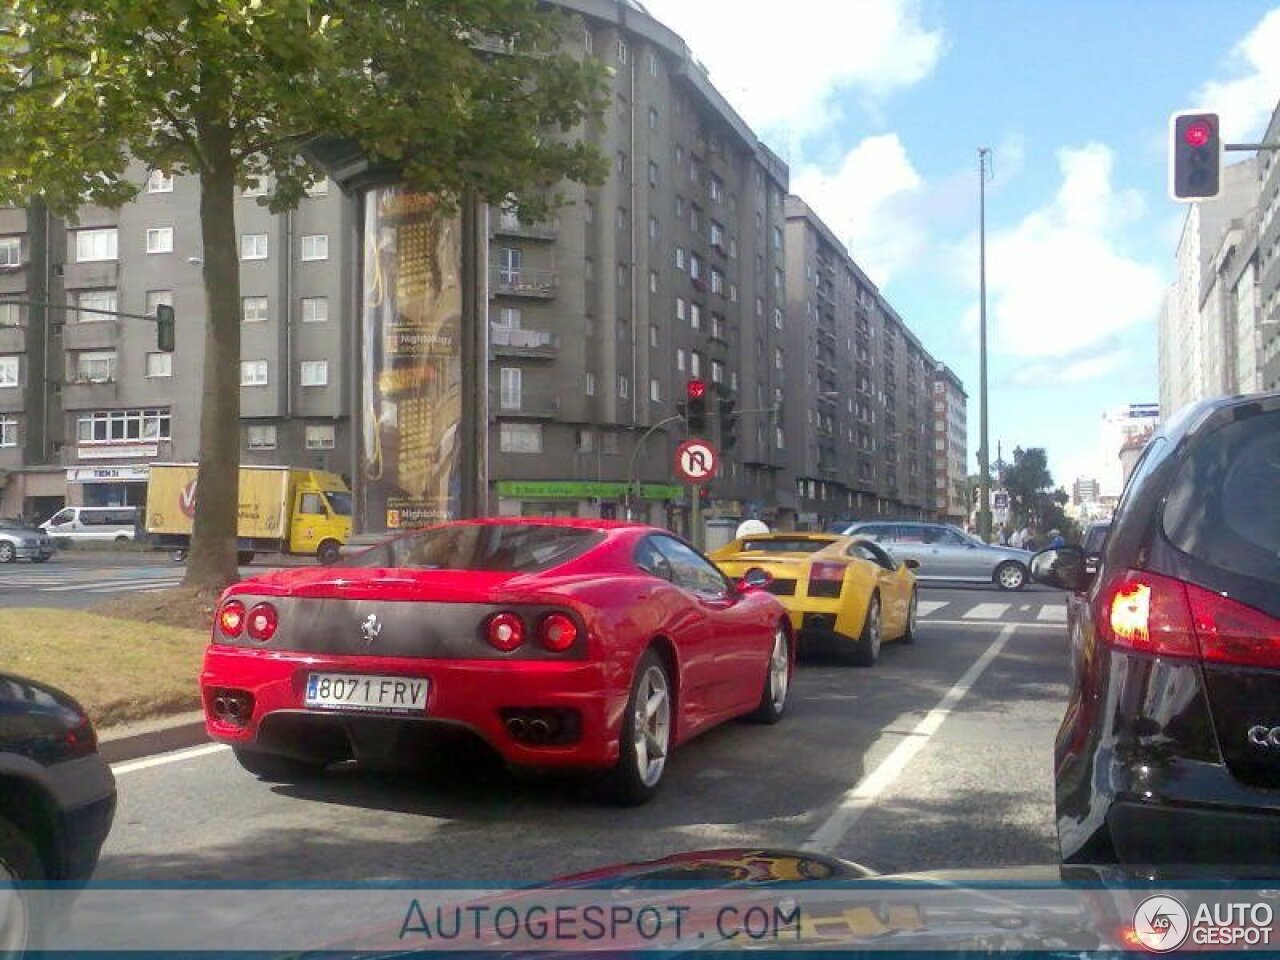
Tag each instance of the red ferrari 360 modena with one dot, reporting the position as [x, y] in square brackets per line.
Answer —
[562, 643]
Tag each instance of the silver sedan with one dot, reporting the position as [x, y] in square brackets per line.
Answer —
[945, 552]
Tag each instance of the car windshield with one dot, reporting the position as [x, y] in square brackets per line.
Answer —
[479, 441]
[498, 548]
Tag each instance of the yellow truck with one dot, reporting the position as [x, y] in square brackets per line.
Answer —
[282, 510]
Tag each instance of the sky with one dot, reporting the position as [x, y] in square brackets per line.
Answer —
[879, 108]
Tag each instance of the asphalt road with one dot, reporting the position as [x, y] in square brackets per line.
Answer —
[937, 757]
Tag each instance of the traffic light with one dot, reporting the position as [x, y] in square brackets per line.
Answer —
[166, 334]
[1195, 156]
[696, 405]
[728, 423]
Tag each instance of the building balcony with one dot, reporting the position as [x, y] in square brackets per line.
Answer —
[90, 335]
[509, 225]
[13, 282]
[91, 275]
[13, 339]
[530, 408]
[517, 342]
[530, 284]
[12, 399]
[89, 395]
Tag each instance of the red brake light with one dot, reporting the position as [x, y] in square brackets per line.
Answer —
[557, 632]
[1230, 632]
[1148, 613]
[827, 571]
[506, 632]
[263, 620]
[231, 618]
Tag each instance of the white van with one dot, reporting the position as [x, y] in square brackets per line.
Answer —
[92, 524]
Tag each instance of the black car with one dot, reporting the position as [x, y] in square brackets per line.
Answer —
[57, 795]
[1170, 748]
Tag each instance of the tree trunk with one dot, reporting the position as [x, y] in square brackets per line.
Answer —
[211, 564]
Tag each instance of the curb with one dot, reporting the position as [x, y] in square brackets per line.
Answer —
[133, 741]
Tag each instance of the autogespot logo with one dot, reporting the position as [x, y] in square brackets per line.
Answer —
[1161, 923]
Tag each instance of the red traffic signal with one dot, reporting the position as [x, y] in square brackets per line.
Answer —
[1195, 156]
[697, 389]
[696, 408]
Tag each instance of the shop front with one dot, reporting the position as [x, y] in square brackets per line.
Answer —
[108, 486]
[659, 504]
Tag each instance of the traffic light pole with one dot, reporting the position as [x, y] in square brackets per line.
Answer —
[632, 483]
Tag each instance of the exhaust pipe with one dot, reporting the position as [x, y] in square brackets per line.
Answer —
[539, 730]
[234, 706]
[219, 707]
[516, 727]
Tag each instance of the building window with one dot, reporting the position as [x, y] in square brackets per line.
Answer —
[261, 436]
[315, 246]
[733, 293]
[510, 317]
[588, 41]
[777, 279]
[160, 240]
[759, 306]
[9, 370]
[589, 387]
[315, 309]
[253, 246]
[777, 438]
[510, 393]
[653, 335]
[589, 269]
[717, 326]
[620, 50]
[717, 281]
[777, 358]
[655, 391]
[653, 174]
[253, 373]
[510, 264]
[653, 64]
[94, 245]
[122, 426]
[679, 258]
[586, 440]
[717, 234]
[159, 182]
[777, 317]
[653, 119]
[8, 432]
[520, 438]
[620, 219]
[653, 281]
[679, 207]
[695, 316]
[717, 371]
[733, 248]
[682, 309]
[622, 274]
[89, 302]
[695, 364]
[315, 373]
[624, 388]
[653, 228]
[319, 436]
[10, 251]
[680, 359]
[159, 364]
[318, 189]
[695, 266]
[254, 309]
[156, 298]
[620, 163]
[717, 189]
[10, 315]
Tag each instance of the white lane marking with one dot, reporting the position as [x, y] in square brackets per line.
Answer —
[160, 760]
[862, 795]
[987, 611]
[94, 584]
[1025, 608]
[1053, 614]
[986, 625]
[926, 607]
[135, 587]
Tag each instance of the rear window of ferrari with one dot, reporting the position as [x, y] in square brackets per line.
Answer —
[789, 545]
[506, 548]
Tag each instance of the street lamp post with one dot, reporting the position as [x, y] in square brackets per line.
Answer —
[631, 466]
[984, 453]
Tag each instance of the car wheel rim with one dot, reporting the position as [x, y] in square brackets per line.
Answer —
[6, 552]
[14, 918]
[1011, 577]
[912, 614]
[874, 618]
[652, 725]
[779, 671]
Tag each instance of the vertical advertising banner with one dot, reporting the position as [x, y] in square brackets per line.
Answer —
[411, 370]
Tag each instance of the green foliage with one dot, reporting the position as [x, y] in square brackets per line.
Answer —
[1033, 500]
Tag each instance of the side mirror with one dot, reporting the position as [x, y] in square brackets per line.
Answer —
[1063, 568]
[911, 563]
[757, 578]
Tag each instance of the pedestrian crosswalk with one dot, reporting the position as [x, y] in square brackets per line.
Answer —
[1045, 610]
[15, 582]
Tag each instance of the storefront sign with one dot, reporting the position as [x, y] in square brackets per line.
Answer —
[584, 490]
[108, 474]
[113, 452]
[411, 368]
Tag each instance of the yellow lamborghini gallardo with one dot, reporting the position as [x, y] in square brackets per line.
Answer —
[844, 593]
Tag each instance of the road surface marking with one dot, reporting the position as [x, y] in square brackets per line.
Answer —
[135, 587]
[926, 607]
[160, 760]
[986, 625]
[857, 799]
[88, 584]
[1025, 608]
[1054, 614]
[988, 611]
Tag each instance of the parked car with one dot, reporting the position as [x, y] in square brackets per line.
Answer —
[92, 525]
[21, 541]
[57, 798]
[1170, 748]
[562, 643]
[1095, 536]
[842, 593]
[945, 552]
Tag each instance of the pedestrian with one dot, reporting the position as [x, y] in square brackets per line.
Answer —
[1029, 539]
[1056, 539]
[1017, 538]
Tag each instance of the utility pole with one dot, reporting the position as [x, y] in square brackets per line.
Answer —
[984, 452]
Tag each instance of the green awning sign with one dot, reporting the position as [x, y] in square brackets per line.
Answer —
[584, 490]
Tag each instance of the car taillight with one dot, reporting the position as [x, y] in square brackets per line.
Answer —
[826, 579]
[557, 632]
[263, 620]
[506, 632]
[231, 618]
[826, 571]
[1230, 632]
[1159, 615]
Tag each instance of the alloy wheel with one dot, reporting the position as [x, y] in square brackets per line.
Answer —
[652, 726]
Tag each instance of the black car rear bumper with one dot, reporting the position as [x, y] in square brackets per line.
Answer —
[85, 831]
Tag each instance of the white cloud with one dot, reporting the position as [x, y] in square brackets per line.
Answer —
[866, 202]
[1057, 282]
[1245, 102]
[1073, 371]
[782, 67]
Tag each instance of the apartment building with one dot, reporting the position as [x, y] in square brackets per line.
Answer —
[688, 261]
[1268, 260]
[950, 444]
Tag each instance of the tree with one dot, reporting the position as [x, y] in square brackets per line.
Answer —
[1033, 501]
[464, 98]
